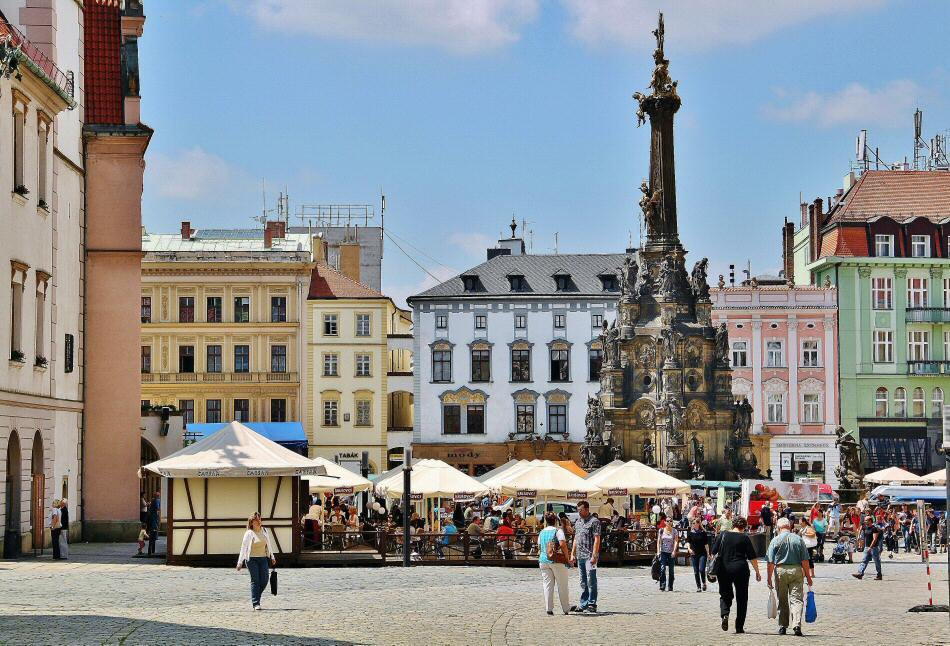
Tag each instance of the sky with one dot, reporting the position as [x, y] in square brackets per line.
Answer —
[466, 113]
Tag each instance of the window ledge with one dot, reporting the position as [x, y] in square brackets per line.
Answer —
[19, 199]
[43, 211]
[17, 364]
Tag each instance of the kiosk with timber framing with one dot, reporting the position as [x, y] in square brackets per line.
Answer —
[214, 486]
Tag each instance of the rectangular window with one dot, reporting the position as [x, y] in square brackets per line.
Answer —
[215, 314]
[883, 341]
[920, 246]
[883, 245]
[331, 411]
[946, 293]
[560, 321]
[481, 365]
[451, 419]
[330, 325]
[278, 309]
[557, 418]
[242, 309]
[187, 408]
[213, 359]
[524, 416]
[775, 355]
[811, 409]
[242, 410]
[475, 419]
[521, 321]
[441, 321]
[740, 354]
[595, 360]
[918, 345]
[917, 292]
[278, 358]
[363, 412]
[186, 358]
[362, 325]
[441, 366]
[481, 322]
[186, 309]
[946, 346]
[882, 293]
[521, 365]
[42, 165]
[810, 353]
[363, 363]
[596, 321]
[213, 411]
[330, 365]
[146, 309]
[18, 147]
[559, 366]
[146, 359]
[776, 408]
[278, 410]
[242, 358]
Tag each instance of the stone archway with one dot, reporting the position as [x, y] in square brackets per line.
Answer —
[14, 495]
[37, 492]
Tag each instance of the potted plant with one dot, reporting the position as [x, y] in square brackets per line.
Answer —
[43, 205]
[41, 361]
[16, 355]
[21, 190]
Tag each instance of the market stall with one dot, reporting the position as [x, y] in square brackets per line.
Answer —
[338, 480]
[215, 484]
[893, 475]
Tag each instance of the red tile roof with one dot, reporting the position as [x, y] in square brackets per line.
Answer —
[329, 283]
[103, 73]
[898, 194]
[847, 241]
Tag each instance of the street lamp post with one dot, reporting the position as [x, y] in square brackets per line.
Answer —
[406, 483]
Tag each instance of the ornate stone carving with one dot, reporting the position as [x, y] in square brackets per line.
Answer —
[722, 344]
[650, 205]
[722, 282]
[628, 278]
[742, 420]
[698, 280]
[849, 472]
[647, 452]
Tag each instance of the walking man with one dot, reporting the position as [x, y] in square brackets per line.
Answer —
[788, 563]
[153, 521]
[872, 548]
[585, 553]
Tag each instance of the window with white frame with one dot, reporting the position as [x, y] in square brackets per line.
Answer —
[776, 408]
[883, 346]
[481, 322]
[810, 353]
[946, 292]
[364, 408]
[936, 403]
[880, 402]
[811, 408]
[917, 292]
[560, 321]
[918, 345]
[363, 364]
[557, 418]
[919, 403]
[524, 418]
[441, 366]
[331, 410]
[331, 364]
[596, 321]
[740, 354]
[441, 321]
[920, 246]
[774, 354]
[900, 402]
[946, 345]
[521, 321]
[363, 325]
[330, 325]
[882, 293]
[883, 245]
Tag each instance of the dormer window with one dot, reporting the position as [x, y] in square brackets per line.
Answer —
[470, 282]
[517, 282]
[608, 282]
[562, 281]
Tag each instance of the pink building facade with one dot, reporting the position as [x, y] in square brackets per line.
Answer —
[784, 354]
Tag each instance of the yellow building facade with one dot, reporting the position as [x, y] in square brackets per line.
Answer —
[221, 321]
[358, 396]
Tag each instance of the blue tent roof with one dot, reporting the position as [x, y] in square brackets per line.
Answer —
[289, 434]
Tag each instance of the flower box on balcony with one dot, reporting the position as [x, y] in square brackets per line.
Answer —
[41, 361]
[21, 190]
[16, 355]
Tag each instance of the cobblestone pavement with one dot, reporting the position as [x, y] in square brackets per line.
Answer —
[102, 596]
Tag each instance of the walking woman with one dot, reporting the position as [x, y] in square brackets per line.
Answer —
[698, 541]
[667, 545]
[256, 551]
[735, 551]
[552, 559]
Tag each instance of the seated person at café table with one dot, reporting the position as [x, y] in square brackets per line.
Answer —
[449, 534]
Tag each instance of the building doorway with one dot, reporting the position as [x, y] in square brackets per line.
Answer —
[11, 532]
[37, 493]
[150, 481]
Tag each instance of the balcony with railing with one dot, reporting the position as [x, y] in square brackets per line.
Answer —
[219, 377]
[928, 315]
[925, 368]
[15, 46]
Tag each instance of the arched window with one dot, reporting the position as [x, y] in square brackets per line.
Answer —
[919, 403]
[900, 402]
[880, 402]
[936, 403]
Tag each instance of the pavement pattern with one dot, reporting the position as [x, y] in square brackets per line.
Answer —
[102, 596]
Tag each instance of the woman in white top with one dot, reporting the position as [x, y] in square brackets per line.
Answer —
[256, 551]
[552, 543]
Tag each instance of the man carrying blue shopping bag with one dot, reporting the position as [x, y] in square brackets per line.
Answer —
[811, 610]
[788, 566]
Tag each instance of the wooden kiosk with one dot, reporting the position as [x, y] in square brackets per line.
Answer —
[215, 484]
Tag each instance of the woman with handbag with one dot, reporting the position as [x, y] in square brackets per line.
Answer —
[256, 551]
[733, 551]
[553, 559]
[810, 537]
[667, 546]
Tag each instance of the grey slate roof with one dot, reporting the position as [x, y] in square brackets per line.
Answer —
[538, 271]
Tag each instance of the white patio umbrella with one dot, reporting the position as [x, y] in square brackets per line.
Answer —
[937, 477]
[636, 478]
[496, 476]
[433, 479]
[893, 474]
[544, 479]
[339, 480]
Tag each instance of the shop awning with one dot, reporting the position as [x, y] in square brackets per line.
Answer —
[713, 484]
[288, 434]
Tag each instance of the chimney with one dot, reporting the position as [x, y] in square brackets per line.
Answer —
[280, 229]
[813, 234]
[819, 216]
[268, 236]
[350, 261]
[804, 206]
[186, 230]
[318, 247]
[788, 249]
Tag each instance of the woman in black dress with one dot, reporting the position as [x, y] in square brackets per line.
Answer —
[735, 551]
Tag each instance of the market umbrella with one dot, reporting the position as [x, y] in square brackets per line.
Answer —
[494, 477]
[637, 478]
[571, 466]
[937, 477]
[338, 480]
[491, 474]
[893, 474]
[434, 479]
[544, 479]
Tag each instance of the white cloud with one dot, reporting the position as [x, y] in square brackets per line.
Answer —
[473, 244]
[697, 24]
[189, 174]
[854, 104]
[460, 26]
